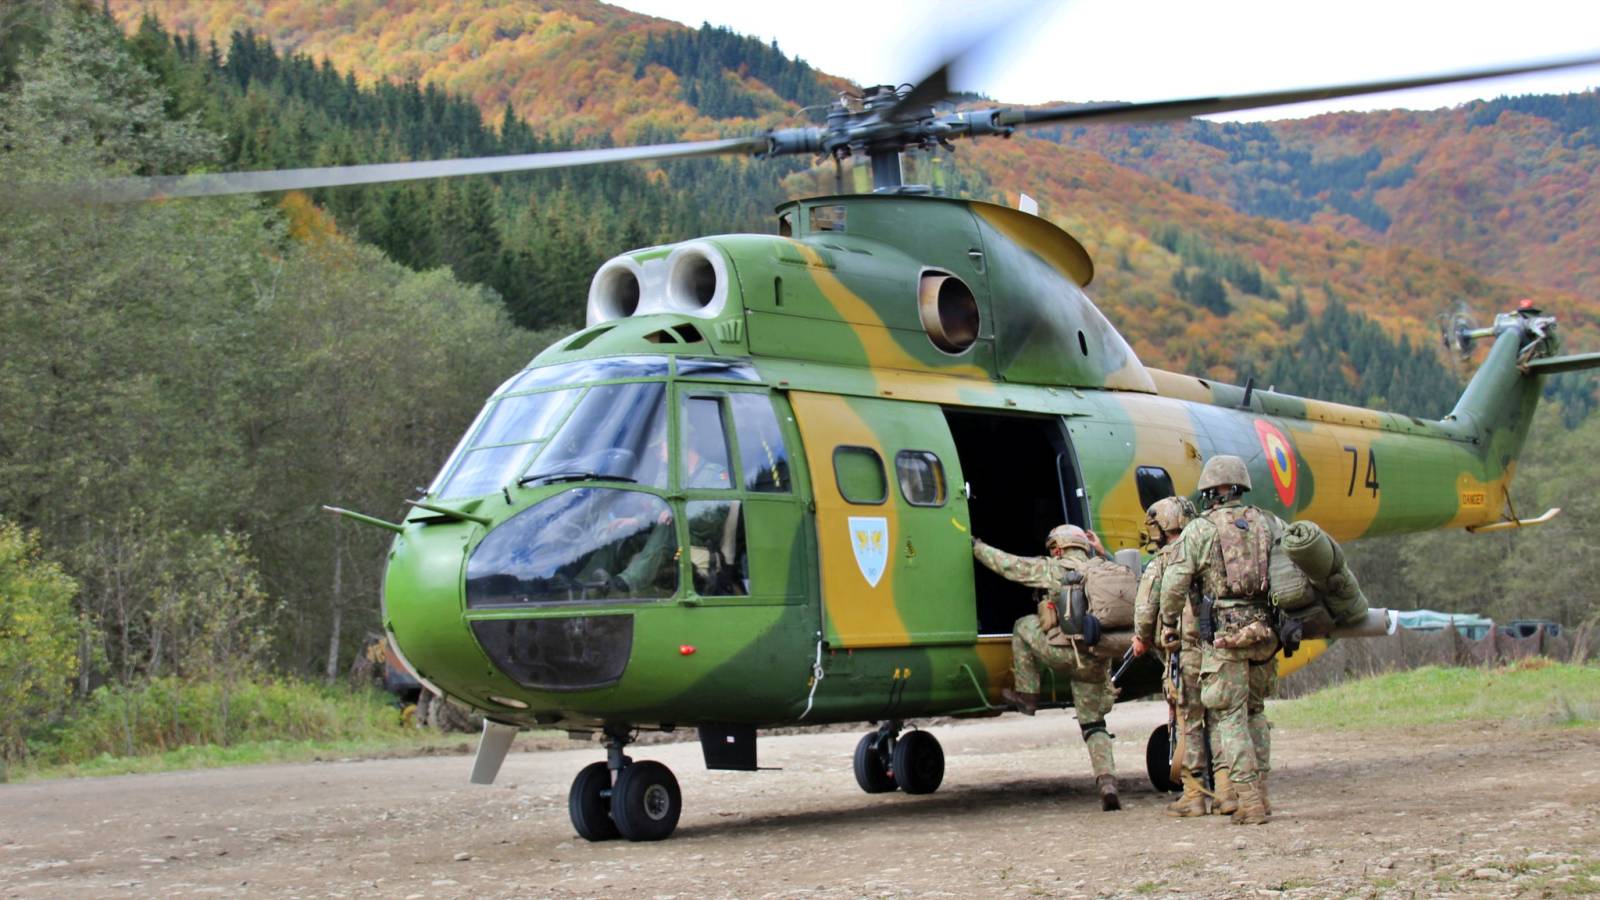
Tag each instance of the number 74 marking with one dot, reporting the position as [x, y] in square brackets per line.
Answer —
[1371, 480]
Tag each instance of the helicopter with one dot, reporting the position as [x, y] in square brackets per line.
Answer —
[744, 494]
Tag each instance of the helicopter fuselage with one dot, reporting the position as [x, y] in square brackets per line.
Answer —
[745, 493]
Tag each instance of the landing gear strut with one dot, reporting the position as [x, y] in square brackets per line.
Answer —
[619, 797]
[886, 760]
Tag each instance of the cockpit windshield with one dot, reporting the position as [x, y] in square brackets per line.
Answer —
[618, 432]
[614, 431]
[507, 435]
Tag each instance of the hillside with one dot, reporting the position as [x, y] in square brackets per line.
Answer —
[571, 66]
[1510, 187]
[1200, 231]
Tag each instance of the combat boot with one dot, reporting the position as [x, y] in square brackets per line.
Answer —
[1250, 811]
[1023, 703]
[1193, 801]
[1261, 788]
[1108, 792]
[1227, 798]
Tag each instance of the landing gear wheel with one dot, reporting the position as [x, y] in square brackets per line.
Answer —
[646, 802]
[1157, 762]
[918, 763]
[589, 803]
[872, 771]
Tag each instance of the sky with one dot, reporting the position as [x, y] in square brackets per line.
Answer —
[1086, 50]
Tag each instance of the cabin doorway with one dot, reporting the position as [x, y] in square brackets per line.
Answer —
[1022, 480]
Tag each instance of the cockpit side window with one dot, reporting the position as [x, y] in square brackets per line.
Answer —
[718, 560]
[763, 459]
[704, 442]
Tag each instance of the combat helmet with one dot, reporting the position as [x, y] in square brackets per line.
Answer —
[1224, 469]
[1170, 513]
[1067, 537]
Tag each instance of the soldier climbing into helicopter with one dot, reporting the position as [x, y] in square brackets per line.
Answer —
[1038, 640]
[1224, 553]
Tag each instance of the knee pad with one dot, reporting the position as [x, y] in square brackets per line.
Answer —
[1090, 729]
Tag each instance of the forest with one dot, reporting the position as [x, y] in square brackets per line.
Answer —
[185, 384]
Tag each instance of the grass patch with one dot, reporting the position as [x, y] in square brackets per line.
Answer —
[170, 723]
[1534, 694]
[211, 756]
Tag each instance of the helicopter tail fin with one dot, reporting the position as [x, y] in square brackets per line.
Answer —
[1499, 402]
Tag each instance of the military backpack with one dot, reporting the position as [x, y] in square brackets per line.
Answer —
[1241, 554]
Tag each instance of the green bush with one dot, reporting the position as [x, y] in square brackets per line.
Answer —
[38, 638]
[167, 714]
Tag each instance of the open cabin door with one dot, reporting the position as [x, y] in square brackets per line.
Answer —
[893, 537]
[1024, 480]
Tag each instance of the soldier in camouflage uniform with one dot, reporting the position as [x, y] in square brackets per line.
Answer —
[1164, 522]
[1035, 644]
[1224, 552]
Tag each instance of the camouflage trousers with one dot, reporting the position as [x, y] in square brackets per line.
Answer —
[1234, 686]
[1088, 675]
[1192, 713]
[1196, 722]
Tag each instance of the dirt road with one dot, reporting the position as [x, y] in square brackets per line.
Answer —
[1491, 811]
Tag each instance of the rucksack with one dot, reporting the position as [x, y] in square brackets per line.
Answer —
[1241, 554]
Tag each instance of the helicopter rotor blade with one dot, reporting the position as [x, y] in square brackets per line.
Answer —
[135, 189]
[993, 27]
[1167, 110]
[916, 102]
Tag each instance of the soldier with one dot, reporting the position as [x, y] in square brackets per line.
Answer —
[1224, 552]
[1035, 643]
[1164, 522]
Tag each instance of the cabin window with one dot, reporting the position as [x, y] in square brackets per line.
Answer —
[578, 546]
[859, 474]
[617, 431]
[762, 456]
[705, 445]
[786, 224]
[718, 560]
[827, 218]
[1154, 484]
[921, 477]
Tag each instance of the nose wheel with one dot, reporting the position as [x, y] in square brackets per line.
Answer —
[639, 801]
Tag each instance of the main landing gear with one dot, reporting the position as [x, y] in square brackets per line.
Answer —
[886, 759]
[1163, 760]
[622, 798]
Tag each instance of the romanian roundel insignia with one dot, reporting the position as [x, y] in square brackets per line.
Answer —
[1280, 460]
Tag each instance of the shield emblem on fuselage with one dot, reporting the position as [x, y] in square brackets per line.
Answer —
[869, 538]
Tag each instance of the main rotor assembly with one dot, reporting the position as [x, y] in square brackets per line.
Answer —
[879, 124]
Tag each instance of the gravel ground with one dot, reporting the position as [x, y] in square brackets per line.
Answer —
[1461, 810]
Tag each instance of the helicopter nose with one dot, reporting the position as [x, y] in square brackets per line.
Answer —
[558, 653]
[539, 646]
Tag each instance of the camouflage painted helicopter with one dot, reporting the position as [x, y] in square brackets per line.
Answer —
[742, 496]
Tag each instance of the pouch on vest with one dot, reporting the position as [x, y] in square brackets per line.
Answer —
[1050, 620]
[1243, 626]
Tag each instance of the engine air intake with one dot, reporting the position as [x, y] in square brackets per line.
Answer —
[948, 311]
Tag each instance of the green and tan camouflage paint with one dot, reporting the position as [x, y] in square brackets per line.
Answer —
[830, 321]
